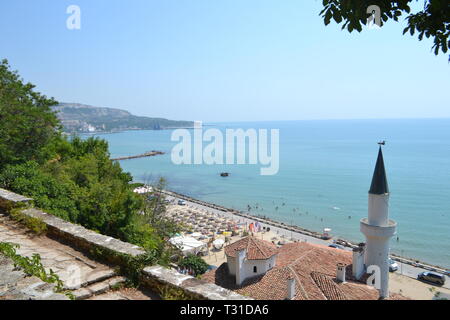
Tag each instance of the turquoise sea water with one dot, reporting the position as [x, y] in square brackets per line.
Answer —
[325, 173]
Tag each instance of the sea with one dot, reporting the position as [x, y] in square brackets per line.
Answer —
[325, 171]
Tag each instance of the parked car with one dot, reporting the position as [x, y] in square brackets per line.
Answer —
[432, 277]
[181, 202]
[336, 246]
[393, 266]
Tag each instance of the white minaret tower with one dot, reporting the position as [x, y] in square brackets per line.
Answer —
[377, 228]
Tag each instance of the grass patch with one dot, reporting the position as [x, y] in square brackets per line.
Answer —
[36, 225]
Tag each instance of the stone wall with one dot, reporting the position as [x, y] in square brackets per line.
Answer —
[167, 282]
[175, 284]
[110, 249]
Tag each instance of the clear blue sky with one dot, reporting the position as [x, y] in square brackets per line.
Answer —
[222, 60]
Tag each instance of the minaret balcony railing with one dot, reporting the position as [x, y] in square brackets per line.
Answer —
[385, 231]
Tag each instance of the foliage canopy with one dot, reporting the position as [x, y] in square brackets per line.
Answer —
[70, 177]
[433, 21]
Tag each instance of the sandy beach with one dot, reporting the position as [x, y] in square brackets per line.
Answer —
[213, 223]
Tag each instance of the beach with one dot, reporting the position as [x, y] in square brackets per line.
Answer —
[402, 281]
[325, 172]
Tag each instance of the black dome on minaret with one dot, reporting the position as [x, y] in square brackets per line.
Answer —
[379, 181]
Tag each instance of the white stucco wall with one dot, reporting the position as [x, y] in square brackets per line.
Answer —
[262, 266]
[378, 209]
[378, 230]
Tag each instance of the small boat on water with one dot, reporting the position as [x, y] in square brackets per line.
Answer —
[224, 174]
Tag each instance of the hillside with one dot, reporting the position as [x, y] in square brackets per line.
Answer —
[84, 118]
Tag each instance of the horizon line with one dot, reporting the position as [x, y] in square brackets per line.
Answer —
[327, 119]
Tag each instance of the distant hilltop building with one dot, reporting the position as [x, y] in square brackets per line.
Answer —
[303, 271]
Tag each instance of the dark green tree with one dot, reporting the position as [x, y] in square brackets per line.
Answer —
[73, 178]
[433, 21]
[27, 123]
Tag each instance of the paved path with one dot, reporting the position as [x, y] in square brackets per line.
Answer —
[16, 285]
[87, 278]
[72, 267]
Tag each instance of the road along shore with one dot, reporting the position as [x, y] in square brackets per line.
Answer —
[298, 233]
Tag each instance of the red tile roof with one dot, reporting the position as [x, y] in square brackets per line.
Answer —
[257, 249]
[312, 266]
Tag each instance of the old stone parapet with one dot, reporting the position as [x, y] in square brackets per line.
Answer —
[157, 278]
[192, 288]
[6, 195]
[82, 237]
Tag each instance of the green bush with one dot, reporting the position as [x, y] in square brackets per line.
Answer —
[72, 178]
[195, 263]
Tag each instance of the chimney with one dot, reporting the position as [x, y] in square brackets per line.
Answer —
[358, 261]
[290, 289]
[340, 274]
[240, 276]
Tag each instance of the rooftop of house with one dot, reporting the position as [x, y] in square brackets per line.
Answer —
[256, 249]
[313, 267]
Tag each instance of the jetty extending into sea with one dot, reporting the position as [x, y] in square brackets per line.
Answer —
[143, 155]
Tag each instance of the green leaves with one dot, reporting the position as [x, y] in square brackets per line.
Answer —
[72, 179]
[433, 21]
[194, 263]
[327, 17]
[337, 16]
[31, 266]
[27, 122]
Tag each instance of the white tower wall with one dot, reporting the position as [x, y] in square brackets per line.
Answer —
[377, 227]
[378, 209]
[377, 242]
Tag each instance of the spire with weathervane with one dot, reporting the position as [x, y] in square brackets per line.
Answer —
[379, 181]
[377, 227]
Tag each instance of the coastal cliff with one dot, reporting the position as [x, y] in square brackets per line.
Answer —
[76, 117]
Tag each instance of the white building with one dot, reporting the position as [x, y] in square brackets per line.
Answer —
[250, 257]
[378, 229]
[188, 245]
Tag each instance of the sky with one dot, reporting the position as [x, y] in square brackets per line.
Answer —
[222, 60]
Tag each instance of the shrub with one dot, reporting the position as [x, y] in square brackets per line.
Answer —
[194, 263]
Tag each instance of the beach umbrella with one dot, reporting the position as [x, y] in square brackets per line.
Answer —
[218, 244]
